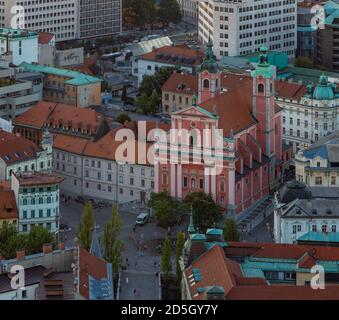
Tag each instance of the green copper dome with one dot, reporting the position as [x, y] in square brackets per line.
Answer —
[323, 90]
[209, 63]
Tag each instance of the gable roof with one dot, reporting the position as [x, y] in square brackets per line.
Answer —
[175, 55]
[55, 114]
[184, 83]
[15, 148]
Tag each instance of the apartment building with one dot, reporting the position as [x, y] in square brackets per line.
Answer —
[189, 9]
[66, 19]
[99, 18]
[68, 86]
[54, 16]
[19, 90]
[241, 27]
[37, 198]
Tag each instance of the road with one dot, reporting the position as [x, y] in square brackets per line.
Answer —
[143, 264]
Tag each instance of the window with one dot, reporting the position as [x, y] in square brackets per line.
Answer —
[131, 170]
[206, 84]
[143, 183]
[314, 228]
[109, 166]
[333, 180]
[142, 172]
[32, 214]
[131, 193]
[24, 294]
[109, 189]
[164, 178]
[324, 228]
[260, 87]
[318, 181]
[201, 183]
[48, 212]
[185, 182]
[109, 177]
[131, 181]
[99, 186]
[24, 228]
[121, 179]
[192, 183]
[24, 214]
[40, 213]
[334, 228]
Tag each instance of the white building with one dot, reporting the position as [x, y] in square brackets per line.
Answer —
[22, 45]
[189, 9]
[181, 56]
[241, 27]
[318, 166]
[37, 197]
[304, 216]
[311, 115]
[54, 16]
[18, 154]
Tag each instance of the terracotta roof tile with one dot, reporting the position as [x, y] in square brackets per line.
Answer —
[69, 143]
[181, 83]
[55, 114]
[45, 37]
[37, 178]
[8, 207]
[175, 51]
[15, 148]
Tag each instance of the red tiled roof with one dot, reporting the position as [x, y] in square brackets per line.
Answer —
[15, 148]
[181, 83]
[69, 143]
[56, 114]
[5, 185]
[45, 37]
[107, 146]
[90, 265]
[283, 292]
[8, 207]
[289, 90]
[174, 51]
[81, 68]
[233, 109]
[37, 178]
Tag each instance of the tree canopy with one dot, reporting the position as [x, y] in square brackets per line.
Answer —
[86, 227]
[113, 245]
[11, 240]
[166, 260]
[122, 118]
[205, 211]
[230, 230]
[179, 252]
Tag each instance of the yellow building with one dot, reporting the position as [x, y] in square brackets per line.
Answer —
[68, 86]
[178, 92]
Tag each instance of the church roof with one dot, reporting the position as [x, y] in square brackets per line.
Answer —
[324, 90]
[210, 62]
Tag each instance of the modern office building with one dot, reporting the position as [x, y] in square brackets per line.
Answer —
[66, 19]
[99, 18]
[54, 16]
[241, 27]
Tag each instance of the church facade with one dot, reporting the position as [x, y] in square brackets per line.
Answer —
[251, 157]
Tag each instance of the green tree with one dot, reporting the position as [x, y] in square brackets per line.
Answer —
[230, 230]
[8, 240]
[122, 118]
[164, 208]
[37, 237]
[112, 244]
[149, 104]
[169, 12]
[205, 211]
[166, 260]
[179, 252]
[86, 226]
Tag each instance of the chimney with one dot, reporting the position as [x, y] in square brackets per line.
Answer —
[62, 246]
[20, 254]
[47, 248]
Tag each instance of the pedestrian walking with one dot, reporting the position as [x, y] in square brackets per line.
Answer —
[126, 281]
[134, 292]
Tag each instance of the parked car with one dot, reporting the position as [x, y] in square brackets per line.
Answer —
[142, 218]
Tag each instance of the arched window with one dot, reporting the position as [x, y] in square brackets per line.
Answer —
[24, 202]
[260, 87]
[191, 141]
[206, 83]
[41, 200]
[192, 183]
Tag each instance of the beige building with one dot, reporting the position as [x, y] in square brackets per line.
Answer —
[318, 166]
[178, 92]
[91, 168]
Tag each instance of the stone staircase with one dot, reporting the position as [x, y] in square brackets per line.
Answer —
[255, 215]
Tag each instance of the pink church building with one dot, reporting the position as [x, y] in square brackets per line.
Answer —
[252, 153]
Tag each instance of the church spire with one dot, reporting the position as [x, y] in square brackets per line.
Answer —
[210, 62]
